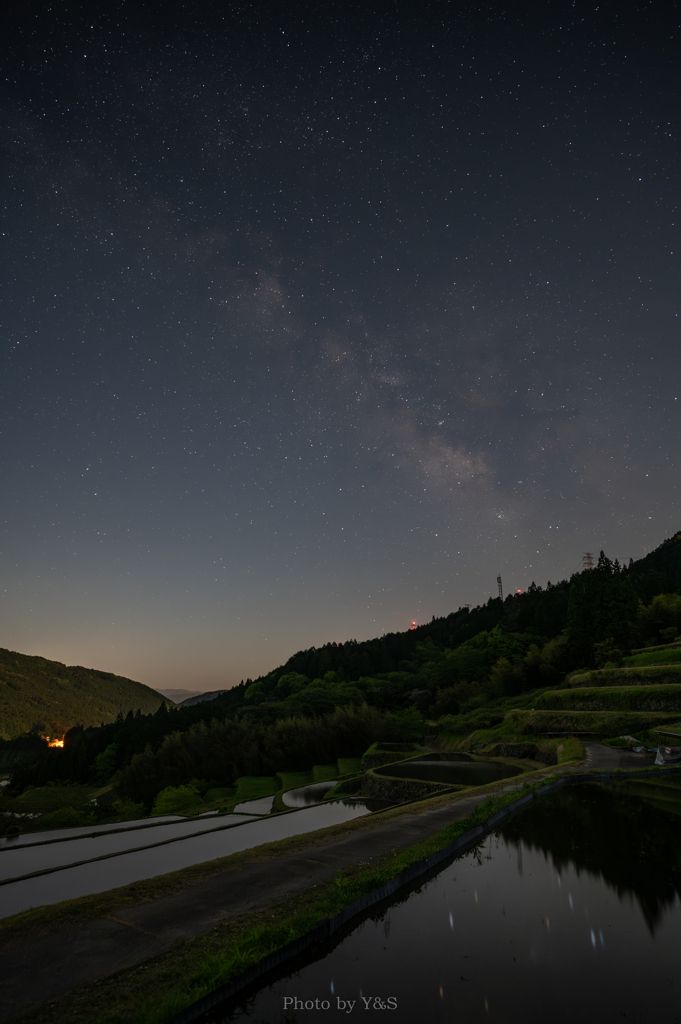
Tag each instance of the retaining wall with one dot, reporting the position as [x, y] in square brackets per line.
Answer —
[399, 790]
[518, 750]
[382, 757]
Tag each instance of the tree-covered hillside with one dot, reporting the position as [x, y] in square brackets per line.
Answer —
[542, 612]
[41, 696]
[660, 571]
[469, 662]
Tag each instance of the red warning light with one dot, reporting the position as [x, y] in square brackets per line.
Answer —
[518, 591]
[413, 625]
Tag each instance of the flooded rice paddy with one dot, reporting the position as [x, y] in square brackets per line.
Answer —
[122, 868]
[570, 911]
[451, 772]
[26, 859]
[261, 805]
[58, 834]
[303, 796]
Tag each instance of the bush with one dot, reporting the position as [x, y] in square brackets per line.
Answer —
[226, 751]
[177, 800]
[127, 810]
[446, 702]
[405, 725]
[65, 817]
[105, 763]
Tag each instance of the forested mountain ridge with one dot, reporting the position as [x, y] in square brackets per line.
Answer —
[48, 697]
[542, 611]
[467, 660]
[658, 572]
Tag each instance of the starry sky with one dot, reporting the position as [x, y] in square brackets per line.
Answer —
[317, 318]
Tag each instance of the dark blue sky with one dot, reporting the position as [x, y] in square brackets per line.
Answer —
[315, 319]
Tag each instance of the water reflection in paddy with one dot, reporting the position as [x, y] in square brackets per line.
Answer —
[303, 796]
[24, 860]
[261, 805]
[454, 773]
[570, 912]
[97, 876]
[60, 834]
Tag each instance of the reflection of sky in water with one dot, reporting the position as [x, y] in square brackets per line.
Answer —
[29, 838]
[262, 805]
[303, 796]
[23, 860]
[499, 936]
[100, 875]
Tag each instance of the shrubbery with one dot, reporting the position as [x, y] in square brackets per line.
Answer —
[224, 751]
[177, 800]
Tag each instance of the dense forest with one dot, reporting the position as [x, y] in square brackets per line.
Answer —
[393, 685]
[47, 697]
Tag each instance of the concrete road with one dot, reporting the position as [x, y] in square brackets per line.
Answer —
[605, 759]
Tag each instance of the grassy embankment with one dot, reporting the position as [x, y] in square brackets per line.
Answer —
[656, 698]
[668, 656]
[557, 751]
[674, 645]
[626, 675]
[154, 991]
[649, 666]
[533, 725]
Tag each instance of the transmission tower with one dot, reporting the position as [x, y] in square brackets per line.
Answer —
[587, 560]
[501, 593]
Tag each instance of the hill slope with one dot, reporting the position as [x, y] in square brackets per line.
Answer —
[538, 611]
[51, 698]
[465, 671]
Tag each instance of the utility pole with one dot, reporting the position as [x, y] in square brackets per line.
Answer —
[501, 593]
[587, 560]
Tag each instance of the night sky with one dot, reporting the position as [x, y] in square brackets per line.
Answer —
[315, 319]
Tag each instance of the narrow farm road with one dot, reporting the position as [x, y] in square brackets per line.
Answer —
[45, 967]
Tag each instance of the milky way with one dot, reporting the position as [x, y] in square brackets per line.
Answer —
[317, 319]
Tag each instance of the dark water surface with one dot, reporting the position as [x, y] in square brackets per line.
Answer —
[454, 773]
[571, 912]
